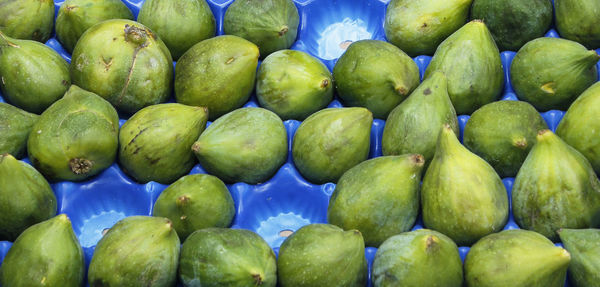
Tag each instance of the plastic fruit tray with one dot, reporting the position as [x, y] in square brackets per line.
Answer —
[286, 202]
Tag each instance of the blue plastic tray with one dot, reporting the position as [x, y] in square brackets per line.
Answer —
[286, 202]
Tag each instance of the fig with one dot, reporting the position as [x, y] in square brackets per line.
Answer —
[27, 19]
[15, 126]
[584, 247]
[578, 20]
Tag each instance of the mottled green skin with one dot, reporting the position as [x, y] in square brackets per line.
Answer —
[75, 138]
[414, 125]
[180, 24]
[578, 20]
[462, 196]
[471, 61]
[248, 145]
[517, 258]
[125, 63]
[218, 73]
[15, 125]
[580, 126]
[76, 16]
[195, 202]
[418, 258]
[27, 19]
[33, 75]
[418, 27]
[550, 73]
[270, 24]
[219, 257]
[293, 84]
[155, 143]
[46, 254]
[25, 197]
[555, 188]
[330, 142]
[322, 255]
[584, 246]
[378, 197]
[514, 22]
[136, 251]
[375, 75]
[503, 133]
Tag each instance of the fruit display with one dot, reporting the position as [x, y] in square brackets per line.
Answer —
[299, 143]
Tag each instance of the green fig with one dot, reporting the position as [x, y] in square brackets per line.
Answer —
[270, 24]
[580, 126]
[378, 197]
[25, 197]
[503, 133]
[516, 258]
[322, 255]
[180, 24]
[418, 258]
[217, 73]
[414, 125]
[471, 61]
[375, 75]
[154, 144]
[514, 22]
[125, 63]
[578, 20]
[418, 27]
[15, 126]
[75, 138]
[555, 188]
[27, 19]
[219, 257]
[330, 142]
[76, 16]
[248, 145]
[32, 75]
[195, 202]
[46, 254]
[462, 195]
[550, 73]
[136, 251]
[293, 84]
[584, 247]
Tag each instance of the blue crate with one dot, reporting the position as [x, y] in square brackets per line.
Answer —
[287, 201]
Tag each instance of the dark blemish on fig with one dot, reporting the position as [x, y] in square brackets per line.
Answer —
[427, 92]
[65, 83]
[137, 149]
[283, 31]
[138, 134]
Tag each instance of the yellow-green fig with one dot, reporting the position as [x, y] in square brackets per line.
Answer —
[27, 19]
[15, 126]
[584, 246]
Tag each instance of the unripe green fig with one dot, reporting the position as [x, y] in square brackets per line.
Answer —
[27, 19]
[503, 133]
[378, 197]
[414, 125]
[518, 258]
[15, 126]
[418, 27]
[218, 73]
[462, 196]
[550, 73]
[322, 255]
[578, 20]
[471, 62]
[154, 144]
[330, 142]
[125, 63]
[32, 75]
[76, 16]
[218, 257]
[25, 197]
[584, 246]
[555, 188]
[46, 254]
[75, 138]
[136, 251]
[180, 24]
[293, 84]
[195, 202]
[270, 24]
[375, 75]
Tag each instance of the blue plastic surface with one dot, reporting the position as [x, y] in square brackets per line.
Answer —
[286, 202]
